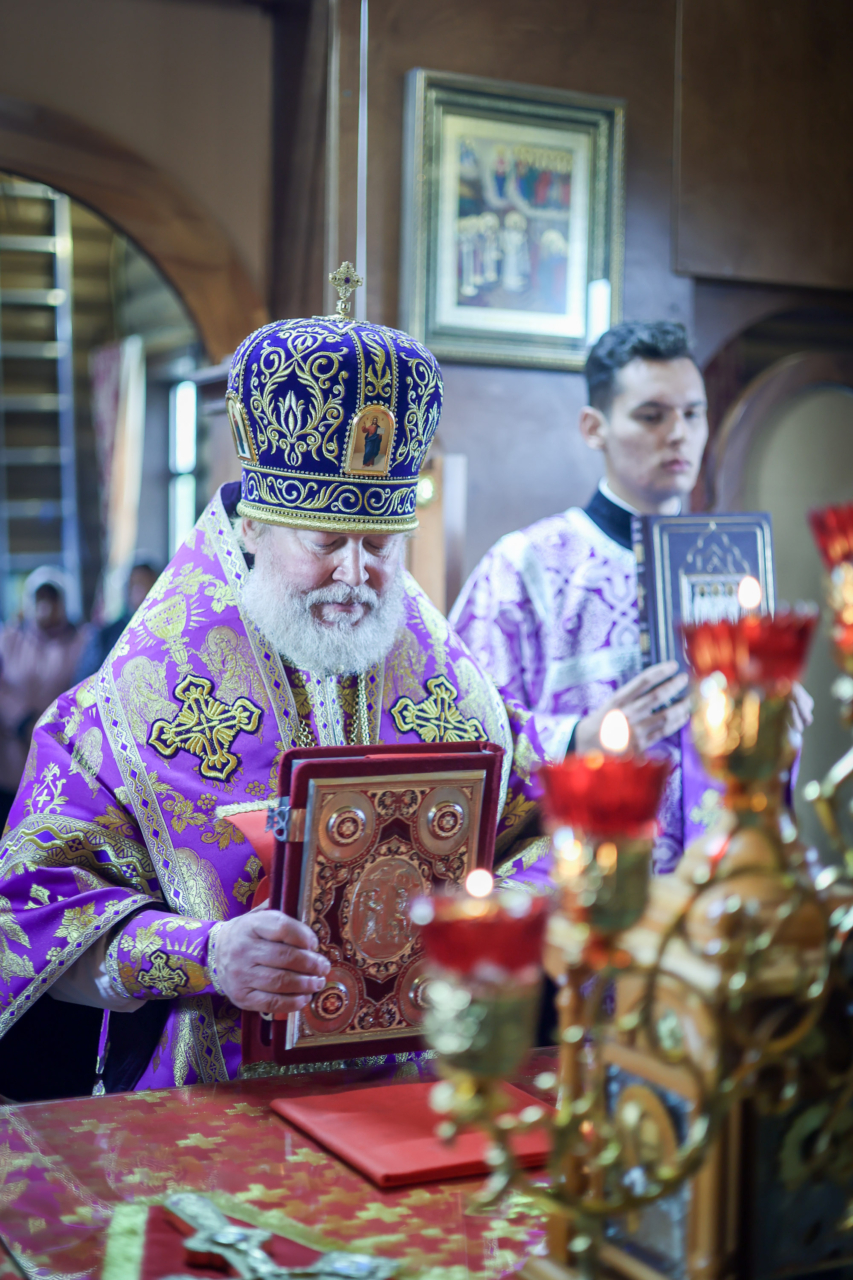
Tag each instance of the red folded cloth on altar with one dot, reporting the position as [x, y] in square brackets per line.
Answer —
[388, 1133]
[165, 1253]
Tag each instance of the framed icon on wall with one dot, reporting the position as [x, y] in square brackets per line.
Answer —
[513, 220]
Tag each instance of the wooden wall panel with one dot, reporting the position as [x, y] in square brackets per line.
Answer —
[177, 233]
[764, 190]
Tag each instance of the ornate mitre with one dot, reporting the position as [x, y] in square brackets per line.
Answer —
[332, 419]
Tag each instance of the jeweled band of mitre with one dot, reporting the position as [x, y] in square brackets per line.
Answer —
[332, 419]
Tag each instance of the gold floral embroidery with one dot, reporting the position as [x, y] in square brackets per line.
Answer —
[224, 834]
[112, 912]
[118, 821]
[422, 410]
[140, 941]
[436, 718]
[528, 852]
[307, 423]
[184, 814]
[11, 964]
[300, 694]
[76, 921]
[517, 809]
[524, 758]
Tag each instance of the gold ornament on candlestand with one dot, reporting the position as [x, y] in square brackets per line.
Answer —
[715, 979]
[833, 533]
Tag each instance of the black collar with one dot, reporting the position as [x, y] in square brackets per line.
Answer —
[611, 519]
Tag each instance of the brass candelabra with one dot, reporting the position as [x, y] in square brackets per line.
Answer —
[722, 972]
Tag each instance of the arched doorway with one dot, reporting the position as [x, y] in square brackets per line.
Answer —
[785, 445]
[81, 308]
[180, 237]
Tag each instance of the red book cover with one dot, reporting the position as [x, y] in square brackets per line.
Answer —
[388, 1134]
[368, 830]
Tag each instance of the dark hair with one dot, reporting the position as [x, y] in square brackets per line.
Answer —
[47, 589]
[633, 340]
[146, 566]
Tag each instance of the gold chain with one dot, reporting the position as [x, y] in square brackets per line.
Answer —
[359, 728]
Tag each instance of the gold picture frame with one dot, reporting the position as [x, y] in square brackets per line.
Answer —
[513, 220]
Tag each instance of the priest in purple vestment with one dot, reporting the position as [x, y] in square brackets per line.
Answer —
[286, 619]
[551, 611]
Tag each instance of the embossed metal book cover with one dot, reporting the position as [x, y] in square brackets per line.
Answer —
[367, 831]
[689, 569]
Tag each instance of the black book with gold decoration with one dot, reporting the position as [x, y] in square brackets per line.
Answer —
[691, 569]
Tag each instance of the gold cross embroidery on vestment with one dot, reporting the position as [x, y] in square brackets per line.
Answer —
[437, 718]
[205, 727]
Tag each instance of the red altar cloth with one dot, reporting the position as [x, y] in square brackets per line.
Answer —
[164, 1253]
[77, 1177]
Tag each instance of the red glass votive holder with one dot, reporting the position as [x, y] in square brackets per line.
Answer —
[485, 966]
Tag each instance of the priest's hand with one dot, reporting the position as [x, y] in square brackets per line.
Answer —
[655, 704]
[268, 962]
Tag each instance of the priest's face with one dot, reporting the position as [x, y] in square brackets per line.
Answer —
[330, 602]
[654, 434]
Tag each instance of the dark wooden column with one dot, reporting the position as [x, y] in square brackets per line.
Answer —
[300, 56]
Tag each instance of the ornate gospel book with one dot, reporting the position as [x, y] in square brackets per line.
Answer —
[359, 833]
[689, 569]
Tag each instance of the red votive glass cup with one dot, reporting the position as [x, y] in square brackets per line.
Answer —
[601, 810]
[484, 957]
[757, 650]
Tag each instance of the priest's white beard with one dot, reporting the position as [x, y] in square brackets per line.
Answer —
[341, 647]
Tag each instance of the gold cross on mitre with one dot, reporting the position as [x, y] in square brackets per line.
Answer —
[346, 280]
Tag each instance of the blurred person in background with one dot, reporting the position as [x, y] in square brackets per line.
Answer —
[142, 577]
[38, 658]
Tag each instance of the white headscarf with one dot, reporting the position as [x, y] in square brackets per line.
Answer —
[45, 575]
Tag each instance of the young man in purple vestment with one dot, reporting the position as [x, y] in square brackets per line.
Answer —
[286, 619]
[551, 611]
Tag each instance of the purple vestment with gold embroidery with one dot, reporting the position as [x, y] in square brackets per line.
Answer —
[551, 613]
[115, 829]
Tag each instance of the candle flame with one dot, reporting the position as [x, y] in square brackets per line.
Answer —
[479, 883]
[615, 732]
[606, 855]
[715, 709]
[749, 593]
